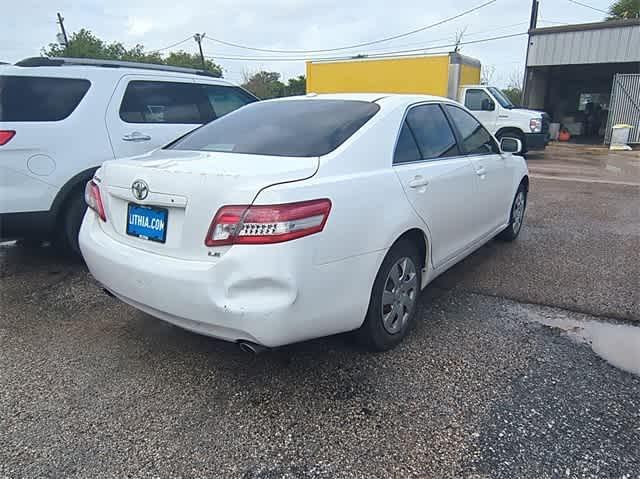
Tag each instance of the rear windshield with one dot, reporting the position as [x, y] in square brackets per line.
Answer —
[39, 98]
[282, 128]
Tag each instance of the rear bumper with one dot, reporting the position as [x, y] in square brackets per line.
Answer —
[268, 294]
[536, 141]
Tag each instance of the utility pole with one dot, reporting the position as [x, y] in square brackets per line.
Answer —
[198, 38]
[533, 24]
[533, 21]
[64, 32]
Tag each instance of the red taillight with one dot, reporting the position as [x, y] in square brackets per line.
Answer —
[267, 224]
[94, 200]
[5, 136]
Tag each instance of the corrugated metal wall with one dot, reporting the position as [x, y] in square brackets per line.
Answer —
[606, 45]
[625, 105]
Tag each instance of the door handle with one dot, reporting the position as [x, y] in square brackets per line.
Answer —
[136, 136]
[418, 182]
[481, 171]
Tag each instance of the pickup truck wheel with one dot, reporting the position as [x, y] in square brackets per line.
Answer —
[393, 299]
[72, 216]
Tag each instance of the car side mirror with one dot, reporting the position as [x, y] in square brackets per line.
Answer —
[511, 145]
[488, 105]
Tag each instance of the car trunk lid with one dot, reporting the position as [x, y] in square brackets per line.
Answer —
[190, 186]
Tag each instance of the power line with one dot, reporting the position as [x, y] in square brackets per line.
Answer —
[589, 6]
[409, 52]
[172, 45]
[442, 39]
[357, 45]
[554, 22]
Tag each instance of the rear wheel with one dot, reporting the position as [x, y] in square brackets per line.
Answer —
[72, 216]
[516, 218]
[393, 298]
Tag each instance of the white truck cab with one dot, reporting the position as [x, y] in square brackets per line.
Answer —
[504, 119]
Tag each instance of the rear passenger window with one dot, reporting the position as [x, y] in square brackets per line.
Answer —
[225, 99]
[406, 149]
[432, 132]
[476, 140]
[164, 102]
[39, 98]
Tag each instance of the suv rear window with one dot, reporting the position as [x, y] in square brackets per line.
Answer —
[282, 128]
[25, 98]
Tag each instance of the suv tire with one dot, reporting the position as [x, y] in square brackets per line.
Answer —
[72, 215]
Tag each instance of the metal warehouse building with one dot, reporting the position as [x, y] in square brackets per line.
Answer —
[586, 76]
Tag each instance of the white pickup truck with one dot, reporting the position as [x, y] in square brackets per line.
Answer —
[503, 118]
[448, 74]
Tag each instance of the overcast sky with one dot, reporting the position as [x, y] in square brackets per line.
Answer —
[28, 25]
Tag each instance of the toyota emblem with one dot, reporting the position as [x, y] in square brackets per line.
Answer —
[140, 189]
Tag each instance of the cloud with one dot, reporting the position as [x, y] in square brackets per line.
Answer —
[283, 24]
[136, 27]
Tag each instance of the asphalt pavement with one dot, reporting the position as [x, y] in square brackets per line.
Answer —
[90, 387]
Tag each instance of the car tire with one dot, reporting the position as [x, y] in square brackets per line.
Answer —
[516, 215]
[72, 216]
[394, 298]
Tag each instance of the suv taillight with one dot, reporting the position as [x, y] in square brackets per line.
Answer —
[5, 136]
[245, 224]
[94, 200]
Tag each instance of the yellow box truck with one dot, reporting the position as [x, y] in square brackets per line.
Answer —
[440, 75]
[450, 75]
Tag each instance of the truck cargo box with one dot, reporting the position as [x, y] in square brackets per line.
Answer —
[440, 75]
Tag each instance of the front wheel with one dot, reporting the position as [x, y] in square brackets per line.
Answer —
[516, 217]
[393, 298]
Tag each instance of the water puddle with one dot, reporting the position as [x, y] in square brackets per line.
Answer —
[618, 344]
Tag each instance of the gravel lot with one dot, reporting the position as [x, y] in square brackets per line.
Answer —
[90, 387]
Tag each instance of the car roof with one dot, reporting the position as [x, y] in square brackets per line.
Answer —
[91, 68]
[387, 99]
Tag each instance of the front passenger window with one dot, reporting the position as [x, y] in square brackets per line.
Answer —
[476, 140]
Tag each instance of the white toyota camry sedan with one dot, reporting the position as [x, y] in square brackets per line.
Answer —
[303, 217]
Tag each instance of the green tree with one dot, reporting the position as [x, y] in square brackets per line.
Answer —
[191, 60]
[84, 44]
[514, 94]
[296, 86]
[265, 85]
[624, 9]
[514, 87]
